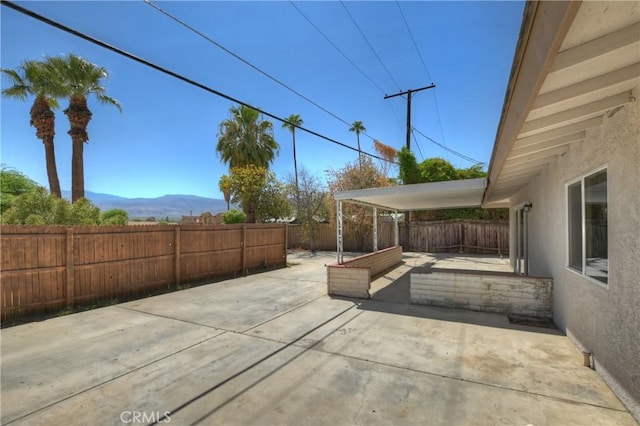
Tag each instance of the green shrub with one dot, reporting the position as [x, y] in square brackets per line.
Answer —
[13, 183]
[38, 207]
[233, 216]
[115, 217]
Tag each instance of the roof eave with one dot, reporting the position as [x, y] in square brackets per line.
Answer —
[544, 27]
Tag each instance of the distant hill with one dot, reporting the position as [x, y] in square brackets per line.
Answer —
[173, 206]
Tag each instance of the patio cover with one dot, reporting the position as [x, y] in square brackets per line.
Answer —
[421, 196]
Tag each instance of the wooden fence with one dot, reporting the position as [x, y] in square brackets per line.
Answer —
[46, 268]
[462, 236]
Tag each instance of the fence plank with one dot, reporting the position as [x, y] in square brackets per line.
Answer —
[48, 267]
[473, 236]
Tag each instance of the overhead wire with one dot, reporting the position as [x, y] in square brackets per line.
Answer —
[346, 57]
[246, 62]
[173, 74]
[424, 65]
[454, 152]
[335, 46]
[413, 133]
[370, 46]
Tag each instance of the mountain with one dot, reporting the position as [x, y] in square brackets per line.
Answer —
[173, 206]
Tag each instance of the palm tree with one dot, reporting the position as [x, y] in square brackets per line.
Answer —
[293, 121]
[33, 78]
[246, 139]
[225, 184]
[80, 78]
[358, 128]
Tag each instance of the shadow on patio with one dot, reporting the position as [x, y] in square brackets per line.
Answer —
[390, 292]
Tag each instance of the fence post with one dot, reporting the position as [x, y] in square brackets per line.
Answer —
[70, 286]
[244, 249]
[286, 242]
[426, 249]
[177, 252]
[461, 237]
[498, 239]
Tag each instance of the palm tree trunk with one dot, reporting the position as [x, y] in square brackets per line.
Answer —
[52, 170]
[77, 170]
[43, 119]
[359, 150]
[79, 117]
[295, 169]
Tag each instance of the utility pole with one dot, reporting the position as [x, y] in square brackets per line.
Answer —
[407, 214]
[408, 93]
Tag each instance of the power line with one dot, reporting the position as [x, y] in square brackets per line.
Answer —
[255, 67]
[238, 57]
[417, 144]
[406, 24]
[424, 65]
[135, 58]
[370, 46]
[464, 157]
[335, 46]
[346, 57]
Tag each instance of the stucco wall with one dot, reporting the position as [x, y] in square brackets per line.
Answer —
[602, 320]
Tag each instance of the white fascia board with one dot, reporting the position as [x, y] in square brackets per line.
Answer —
[422, 196]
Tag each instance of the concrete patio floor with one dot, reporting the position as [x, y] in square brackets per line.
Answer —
[274, 349]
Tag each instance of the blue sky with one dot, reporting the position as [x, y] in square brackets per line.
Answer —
[164, 140]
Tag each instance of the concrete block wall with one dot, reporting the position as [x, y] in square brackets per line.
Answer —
[506, 294]
[353, 277]
[378, 261]
[348, 281]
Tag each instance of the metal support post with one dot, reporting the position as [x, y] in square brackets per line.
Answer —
[375, 229]
[339, 227]
[396, 233]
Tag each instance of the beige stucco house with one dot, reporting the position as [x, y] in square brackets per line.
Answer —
[566, 161]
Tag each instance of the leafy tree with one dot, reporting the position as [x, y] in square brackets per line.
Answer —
[233, 216]
[259, 194]
[363, 174]
[33, 78]
[225, 187]
[115, 217]
[312, 198]
[409, 171]
[437, 170]
[293, 121]
[13, 183]
[246, 139]
[472, 172]
[247, 184]
[357, 127]
[273, 201]
[80, 79]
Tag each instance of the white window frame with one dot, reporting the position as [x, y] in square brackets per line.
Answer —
[580, 179]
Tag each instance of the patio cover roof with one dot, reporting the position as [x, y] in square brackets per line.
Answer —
[421, 196]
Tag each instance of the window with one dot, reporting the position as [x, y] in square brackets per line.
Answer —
[587, 226]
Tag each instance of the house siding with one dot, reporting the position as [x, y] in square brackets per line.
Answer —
[602, 320]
